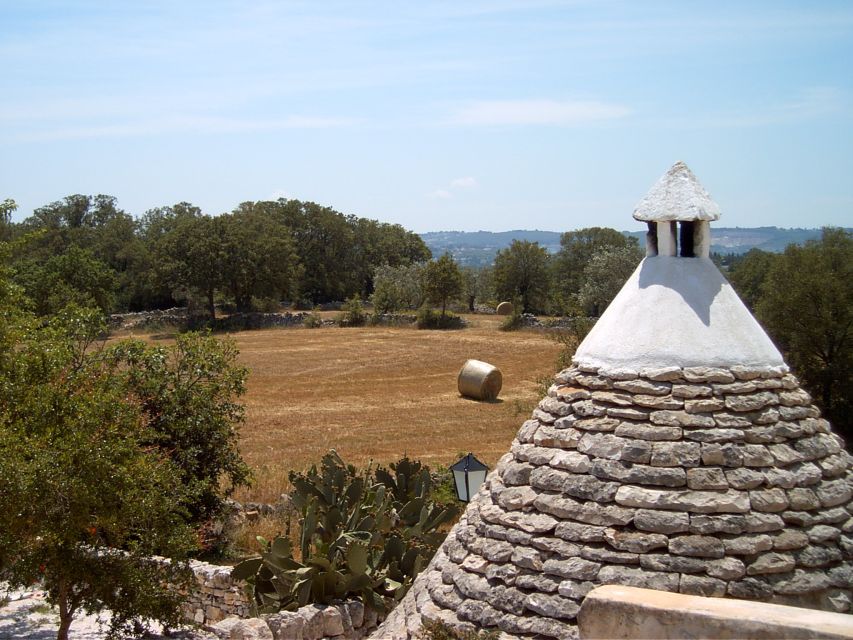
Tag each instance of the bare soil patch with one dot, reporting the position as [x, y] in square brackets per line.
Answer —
[376, 393]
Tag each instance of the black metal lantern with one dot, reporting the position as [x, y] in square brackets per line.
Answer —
[468, 474]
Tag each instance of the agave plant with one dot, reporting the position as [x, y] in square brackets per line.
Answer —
[362, 534]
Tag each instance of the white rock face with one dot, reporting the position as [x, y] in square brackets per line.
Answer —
[677, 312]
[677, 196]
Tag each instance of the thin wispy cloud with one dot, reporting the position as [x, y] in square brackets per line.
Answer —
[467, 182]
[537, 112]
[198, 125]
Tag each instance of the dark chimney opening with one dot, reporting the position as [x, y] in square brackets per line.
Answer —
[652, 239]
[685, 240]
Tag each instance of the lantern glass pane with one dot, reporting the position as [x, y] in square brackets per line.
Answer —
[475, 479]
[459, 480]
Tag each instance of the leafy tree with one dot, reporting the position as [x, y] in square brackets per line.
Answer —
[397, 288]
[7, 208]
[76, 482]
[442, 281]
[807, 306]
[749, 273]
[576, 250]
[190, 256]
[74, 276]
[187, 393]
[605, 274]
[522, 271]
[258, 258]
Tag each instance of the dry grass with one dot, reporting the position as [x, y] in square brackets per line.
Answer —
[376, 393]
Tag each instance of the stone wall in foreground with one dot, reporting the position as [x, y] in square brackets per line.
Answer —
[219, 603]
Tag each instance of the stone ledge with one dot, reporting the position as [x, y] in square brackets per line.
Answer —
[627, 612]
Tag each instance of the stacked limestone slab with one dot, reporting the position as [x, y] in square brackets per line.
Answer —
[707, 481]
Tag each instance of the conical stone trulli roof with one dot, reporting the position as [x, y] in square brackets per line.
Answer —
[677, 453]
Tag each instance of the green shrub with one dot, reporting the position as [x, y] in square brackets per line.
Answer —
[513, 321]
[266, 305]
[361, 534]
[437, 630]
[352, 313]
[312, 321]
[429, 319]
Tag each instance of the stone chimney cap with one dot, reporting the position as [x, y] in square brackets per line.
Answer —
[677, 196]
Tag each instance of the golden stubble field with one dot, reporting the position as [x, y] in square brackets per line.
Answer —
[376, 393]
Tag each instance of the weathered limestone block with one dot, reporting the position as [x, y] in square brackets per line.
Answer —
[730, 501]
[658, 402]
[670, 418]
[783, 454]
[751, 402]
[661, 374]
[472, 585]
[508, 599]
[526, 558]
[748, 545]
[676, 454]
[744, 478]
[690, 391]
[588, 409]
[815, 556]
[251, 629]
[618, 373]
[704, 405]
[661, 521]
[543, 417]
[732, 524]
[756, 455]
[527, 431]
[834, 466]
[726, 455]
[533, 454]
[595, 424]
[743, 372]
[602, 445]
[702, 586]
[644, 387]
[708, 374]
[763, 522]
[790, 540]
[589, 512]
[627, 413]
[769, 500]
[555, 406]
[750, 589]
[800, 474]
[572, 394]
[514, 498]
[697, 546]
[475, 564]
[732, 420]
[834, 492]
[770, 563]
[637, 451]
[570, 461]
[677, 564]
[574, 568]
[716, 434]
[794, 398]
[577, 532]
[817, 446]
[801, 582]
[516, 473]
[537, 582]
[553, 436]
[594, 382]
[822, 533]
[506, 573]
[552, 606]
[605, 555]
[707, 478]
[648, 432]
[726, 568]
[636, 577]
[633, 541]
[639, 473]
[613, 397]
[574, 589]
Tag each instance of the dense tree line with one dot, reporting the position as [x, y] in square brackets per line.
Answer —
[804, 298]
[85, 249]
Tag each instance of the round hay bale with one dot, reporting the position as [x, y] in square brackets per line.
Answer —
[504, 309]
[480, 380]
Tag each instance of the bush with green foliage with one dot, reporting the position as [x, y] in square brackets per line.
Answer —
[352, 313]
[429, 319]
[513, 321]
[364, 534]
[438, 630]
[78, 481]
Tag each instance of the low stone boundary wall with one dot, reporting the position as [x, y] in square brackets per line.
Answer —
[619, 612]
[218, 603]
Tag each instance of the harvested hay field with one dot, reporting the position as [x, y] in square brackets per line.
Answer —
[376, 393]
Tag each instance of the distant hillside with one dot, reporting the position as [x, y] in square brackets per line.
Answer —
[478, 248]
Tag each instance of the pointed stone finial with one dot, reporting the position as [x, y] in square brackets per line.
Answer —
[677, 196]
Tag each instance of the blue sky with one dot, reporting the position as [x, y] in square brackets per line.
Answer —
[436, 115]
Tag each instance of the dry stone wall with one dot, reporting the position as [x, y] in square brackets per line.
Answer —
[704, 481]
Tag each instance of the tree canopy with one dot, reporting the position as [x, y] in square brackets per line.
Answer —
[522, 271]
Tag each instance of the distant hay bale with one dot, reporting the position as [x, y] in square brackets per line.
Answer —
[480, 380]
[504, 309]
